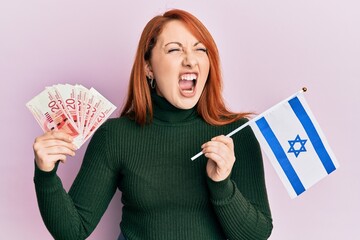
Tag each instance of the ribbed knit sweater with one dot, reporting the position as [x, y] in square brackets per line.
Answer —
[165, 195]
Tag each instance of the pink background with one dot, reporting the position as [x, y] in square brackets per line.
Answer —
[269, 50]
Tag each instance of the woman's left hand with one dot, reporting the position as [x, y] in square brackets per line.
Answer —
[221, 157]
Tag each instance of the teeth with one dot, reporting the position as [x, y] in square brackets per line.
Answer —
[188, 77]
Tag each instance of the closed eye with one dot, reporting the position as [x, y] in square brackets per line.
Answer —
[173, 50]
[202, 50]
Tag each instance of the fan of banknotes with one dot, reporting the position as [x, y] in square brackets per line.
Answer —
[71, 108]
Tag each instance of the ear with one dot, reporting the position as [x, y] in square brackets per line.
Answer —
[148, 70]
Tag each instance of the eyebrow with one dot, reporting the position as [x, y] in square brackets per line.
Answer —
[178, 43]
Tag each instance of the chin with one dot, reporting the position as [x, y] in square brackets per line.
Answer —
[187, 104]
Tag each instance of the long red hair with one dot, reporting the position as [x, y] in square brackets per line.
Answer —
[211, 105]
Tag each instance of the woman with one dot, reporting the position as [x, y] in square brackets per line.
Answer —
[174, 106]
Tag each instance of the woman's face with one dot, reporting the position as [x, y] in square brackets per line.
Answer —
[180, 65]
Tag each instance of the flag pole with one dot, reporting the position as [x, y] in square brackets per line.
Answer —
[304, 89]
[228, 135]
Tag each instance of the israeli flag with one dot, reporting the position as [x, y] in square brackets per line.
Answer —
[292, 139]
[294, 143]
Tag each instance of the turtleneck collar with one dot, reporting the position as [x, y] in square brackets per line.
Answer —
[166, 112]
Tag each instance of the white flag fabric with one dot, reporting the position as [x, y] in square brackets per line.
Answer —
[294, 143]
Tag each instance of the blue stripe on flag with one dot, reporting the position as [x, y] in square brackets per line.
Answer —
[280, 155]
[313, 134]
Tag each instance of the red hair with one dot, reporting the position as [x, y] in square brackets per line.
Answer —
[210, 106]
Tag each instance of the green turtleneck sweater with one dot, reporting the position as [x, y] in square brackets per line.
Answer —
[165, 195]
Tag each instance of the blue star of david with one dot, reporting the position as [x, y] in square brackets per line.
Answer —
[292, 145]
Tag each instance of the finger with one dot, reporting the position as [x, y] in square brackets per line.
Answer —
[216, 148]
[60, 135]
[44, 148]
[224, 139]
[47, 162]
[56, 142]
[53, 138]
[217, 159]
[57, 157]
[219, 152]
[212, 143]
[55, 150]
[221, 139]
[217, 170]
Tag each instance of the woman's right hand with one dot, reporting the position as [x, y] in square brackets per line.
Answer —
[52, 147]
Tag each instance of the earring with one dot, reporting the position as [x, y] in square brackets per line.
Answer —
[152, 82]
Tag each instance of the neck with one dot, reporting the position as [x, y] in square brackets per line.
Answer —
[164, 111]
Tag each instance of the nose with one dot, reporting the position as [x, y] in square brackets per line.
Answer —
[189, 60]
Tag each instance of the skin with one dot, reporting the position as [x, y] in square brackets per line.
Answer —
[177, 52]
[221, 157]
[52, 147]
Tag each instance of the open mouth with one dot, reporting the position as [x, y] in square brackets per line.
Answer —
[187, 82]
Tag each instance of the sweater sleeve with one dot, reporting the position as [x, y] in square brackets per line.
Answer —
[74, 215]
[240, 201]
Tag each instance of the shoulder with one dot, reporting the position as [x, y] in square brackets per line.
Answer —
[239, 122]
[115, 127]
[119, 123]
[236, 124]
[113, 133]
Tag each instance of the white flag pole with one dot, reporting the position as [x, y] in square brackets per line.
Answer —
[304, 89]
[228, 135]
